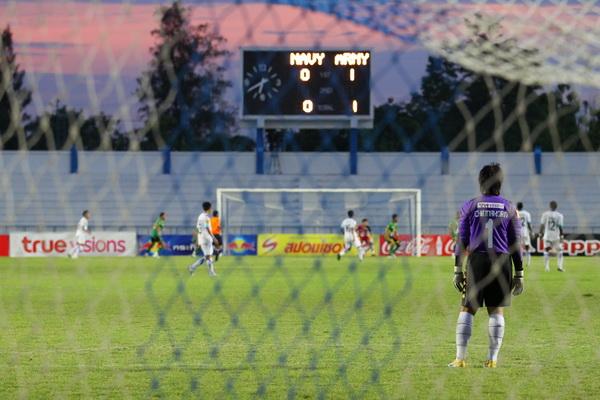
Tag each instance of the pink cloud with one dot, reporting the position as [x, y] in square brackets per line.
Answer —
[114, 38]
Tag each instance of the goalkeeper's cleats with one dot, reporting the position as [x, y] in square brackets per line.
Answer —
[489, 364]
[458, 364]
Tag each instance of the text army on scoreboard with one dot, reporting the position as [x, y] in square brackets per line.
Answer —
[306, 83]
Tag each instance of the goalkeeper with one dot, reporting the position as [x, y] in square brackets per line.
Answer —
[488, 231]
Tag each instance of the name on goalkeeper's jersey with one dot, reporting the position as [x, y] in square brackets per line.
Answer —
[491, 213]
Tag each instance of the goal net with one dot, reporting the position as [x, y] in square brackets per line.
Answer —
[320, 211]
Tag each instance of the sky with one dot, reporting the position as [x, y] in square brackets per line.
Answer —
[89, 53]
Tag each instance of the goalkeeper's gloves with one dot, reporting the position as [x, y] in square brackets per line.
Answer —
[459, 279]
[517, 286]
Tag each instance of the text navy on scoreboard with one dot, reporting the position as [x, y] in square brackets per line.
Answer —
[299, 82]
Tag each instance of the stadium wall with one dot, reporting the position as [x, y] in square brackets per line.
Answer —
[295, 163]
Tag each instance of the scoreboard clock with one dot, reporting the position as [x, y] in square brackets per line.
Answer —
[307, 87]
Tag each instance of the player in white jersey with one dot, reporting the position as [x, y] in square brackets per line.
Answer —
[206, 240]
[525, 222]
[81, 234]
[552, 233]
[349, 227]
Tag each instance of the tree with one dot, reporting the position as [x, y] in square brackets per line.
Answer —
[62, 127]
[182, 92]
[14, 97]
[468, 110]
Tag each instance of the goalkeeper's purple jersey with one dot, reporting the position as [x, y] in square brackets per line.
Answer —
[488, 224]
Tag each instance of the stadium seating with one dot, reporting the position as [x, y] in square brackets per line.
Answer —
[127, 190]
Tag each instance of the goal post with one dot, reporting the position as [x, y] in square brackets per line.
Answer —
[317, 210]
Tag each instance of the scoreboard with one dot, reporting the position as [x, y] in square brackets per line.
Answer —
[306, 84]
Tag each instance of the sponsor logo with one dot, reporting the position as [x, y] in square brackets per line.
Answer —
[312, 248]
[269, 245]
[242, 245]
[431, 245]
[92, 245]
[300, 245]
[579, 246]
[172, 245]
[487, 204]
[36, 244]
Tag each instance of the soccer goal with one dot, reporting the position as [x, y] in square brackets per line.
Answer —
[309, 211]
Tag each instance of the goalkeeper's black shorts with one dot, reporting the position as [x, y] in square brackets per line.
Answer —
[489, 280]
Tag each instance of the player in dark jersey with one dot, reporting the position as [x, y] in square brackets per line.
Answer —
[488, 231]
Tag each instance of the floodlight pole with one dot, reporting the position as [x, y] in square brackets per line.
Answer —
[260, 146]
[353, 146]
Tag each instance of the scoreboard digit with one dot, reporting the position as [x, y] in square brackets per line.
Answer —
[306, 83]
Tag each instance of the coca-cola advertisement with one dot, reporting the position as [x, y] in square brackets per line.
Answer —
[443, 245]
[431, 245]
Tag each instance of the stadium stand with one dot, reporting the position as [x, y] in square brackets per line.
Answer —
[127, 190]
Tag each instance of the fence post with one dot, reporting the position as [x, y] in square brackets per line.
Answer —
[74, 165]
[166, 154]
[537, 160]
[260, 148]
[445, 158]
[353, 147]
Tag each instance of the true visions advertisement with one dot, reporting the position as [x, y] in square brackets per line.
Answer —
[58, 244]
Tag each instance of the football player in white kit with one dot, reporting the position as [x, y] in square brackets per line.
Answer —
[80, 234]
[525, 221]
[552, 231]
[206, 240]
[349, 227]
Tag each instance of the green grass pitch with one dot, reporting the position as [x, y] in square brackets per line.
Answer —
[286, 328]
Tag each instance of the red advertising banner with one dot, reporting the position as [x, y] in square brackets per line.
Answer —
[443, 245]
[431, 245]
[4, 245]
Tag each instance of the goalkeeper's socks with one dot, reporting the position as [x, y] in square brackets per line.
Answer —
[560, 260]
[496, 334]
[546, 261]
[528, 258]
[464, 327]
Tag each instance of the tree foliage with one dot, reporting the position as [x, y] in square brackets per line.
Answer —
[62, 127]
[182, 94]
[14, 96]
